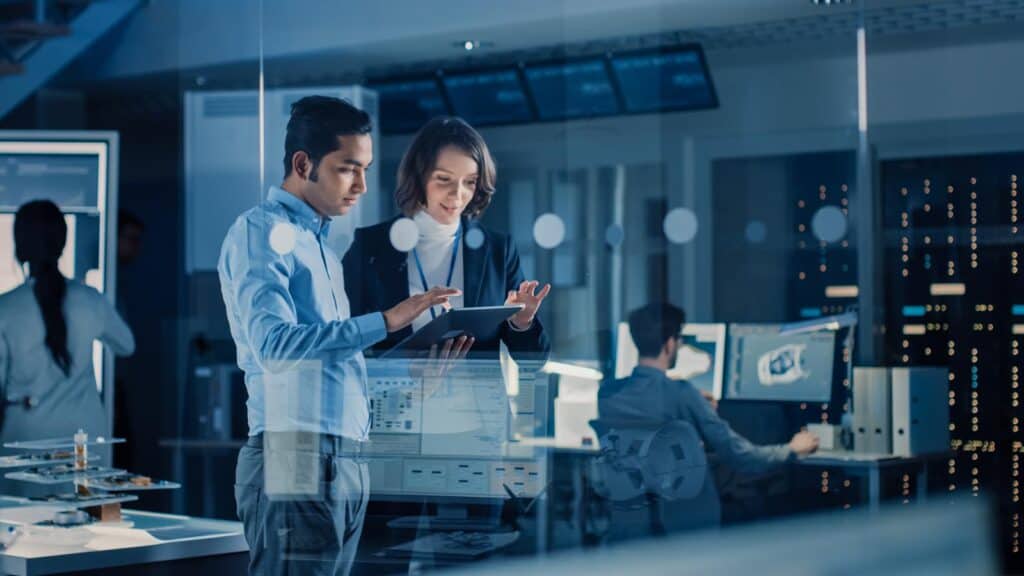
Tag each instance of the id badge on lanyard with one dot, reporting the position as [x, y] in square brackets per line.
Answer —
[451, 267]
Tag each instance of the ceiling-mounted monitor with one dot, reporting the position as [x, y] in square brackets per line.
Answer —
[664, 80]
[488, 97]
[564, 90]
[406, 105]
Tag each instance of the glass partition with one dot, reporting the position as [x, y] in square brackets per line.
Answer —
[413, 286]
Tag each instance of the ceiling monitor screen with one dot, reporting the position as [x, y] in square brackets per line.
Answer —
[664, 80]
[488, 98]
[407, 105]
[565, 90]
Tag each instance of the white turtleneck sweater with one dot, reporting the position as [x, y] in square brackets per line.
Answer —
[435, 251]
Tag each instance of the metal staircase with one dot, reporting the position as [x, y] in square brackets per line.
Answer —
[38, 38]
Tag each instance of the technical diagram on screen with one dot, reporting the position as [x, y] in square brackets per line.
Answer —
[766, 365]
[449, 436]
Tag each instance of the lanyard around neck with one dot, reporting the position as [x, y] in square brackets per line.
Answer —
[451, 266]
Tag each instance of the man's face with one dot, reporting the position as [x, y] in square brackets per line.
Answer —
[340, 176]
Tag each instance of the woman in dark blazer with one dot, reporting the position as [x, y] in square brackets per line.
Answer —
[445, 182]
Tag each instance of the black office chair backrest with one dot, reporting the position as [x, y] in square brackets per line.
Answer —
[663, 459]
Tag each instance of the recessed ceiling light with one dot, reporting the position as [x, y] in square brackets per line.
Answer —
[471, 45]
[830, 2]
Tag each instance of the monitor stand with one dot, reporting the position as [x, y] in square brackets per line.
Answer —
[450, 517]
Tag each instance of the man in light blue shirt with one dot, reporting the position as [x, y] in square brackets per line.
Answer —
[299, 492]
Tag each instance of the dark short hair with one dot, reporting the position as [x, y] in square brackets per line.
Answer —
[652, 326]
[421, 157]
[316, 124]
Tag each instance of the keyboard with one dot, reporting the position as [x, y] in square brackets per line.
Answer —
[454, 545]
[433, 524]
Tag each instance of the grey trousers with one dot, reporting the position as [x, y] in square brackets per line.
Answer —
[302, 509]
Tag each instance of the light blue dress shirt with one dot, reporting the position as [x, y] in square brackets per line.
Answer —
[285, 297]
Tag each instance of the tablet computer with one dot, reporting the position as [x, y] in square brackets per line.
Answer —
[452, 324]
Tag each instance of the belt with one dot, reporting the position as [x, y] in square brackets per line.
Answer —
[327, 444]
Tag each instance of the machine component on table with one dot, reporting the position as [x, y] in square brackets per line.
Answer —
[61, 473]
[104, 507]
[76, 500]
[65, 443]
[43, 458]
[131, 482]
[71, 518]
[81, 449]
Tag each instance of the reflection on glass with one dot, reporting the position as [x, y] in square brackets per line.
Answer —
[614, 235]
[829, 224]
[756, 232]
[474, 238]
[282, 238]
[404, 234]
[549, 231]
[454, 435]
[680, 225]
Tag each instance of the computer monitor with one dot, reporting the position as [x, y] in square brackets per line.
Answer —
[662, 80]
[700, 361]
[406, 105]
[575, 89]
[488, 98]
[451, 439]
[766, 365]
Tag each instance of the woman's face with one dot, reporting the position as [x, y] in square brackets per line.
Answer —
[451, 185]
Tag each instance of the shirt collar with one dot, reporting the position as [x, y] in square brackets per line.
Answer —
[301, 212]
[648, 371]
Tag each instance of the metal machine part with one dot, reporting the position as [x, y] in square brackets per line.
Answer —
[783, 365]
[71, 518]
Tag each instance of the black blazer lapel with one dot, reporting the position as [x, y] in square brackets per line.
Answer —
[392, 277]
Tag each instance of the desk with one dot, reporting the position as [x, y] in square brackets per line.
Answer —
[871, 466]
[196, 545]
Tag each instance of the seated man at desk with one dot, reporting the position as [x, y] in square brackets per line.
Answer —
[648, 395]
